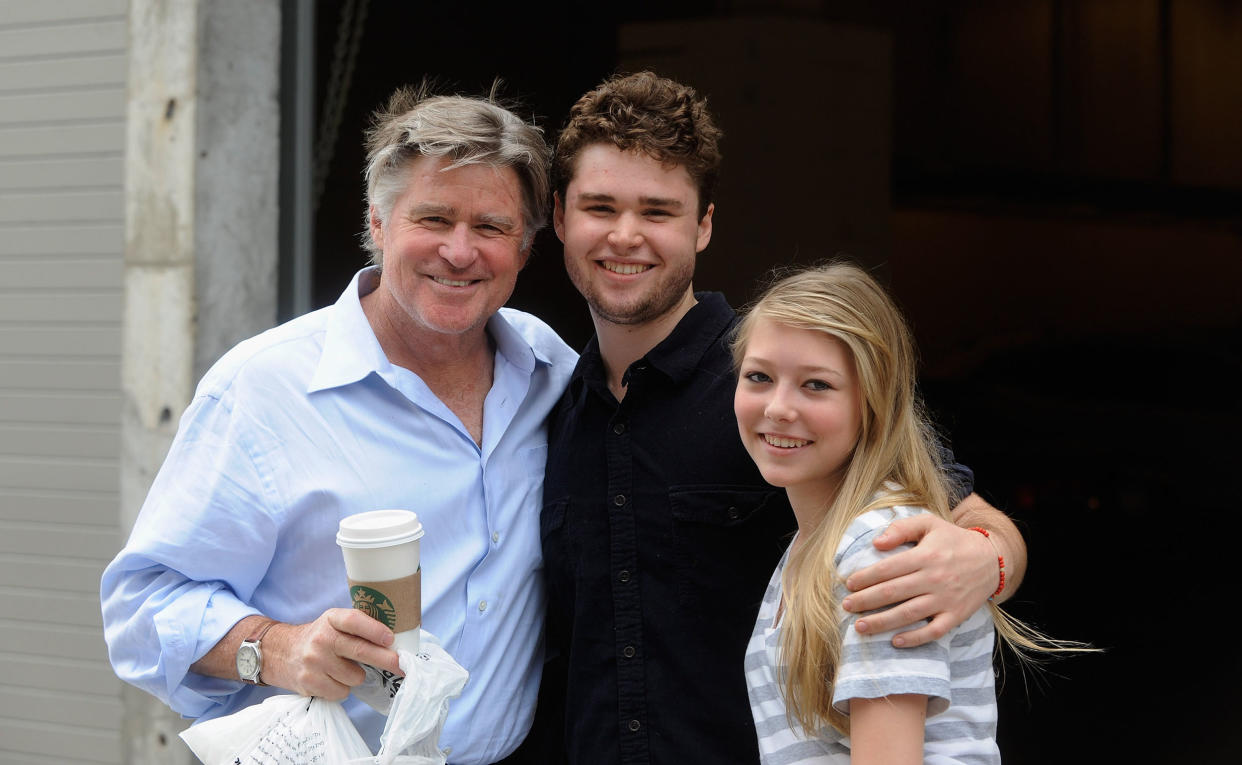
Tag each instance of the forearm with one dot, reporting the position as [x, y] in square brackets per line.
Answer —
[974, 511]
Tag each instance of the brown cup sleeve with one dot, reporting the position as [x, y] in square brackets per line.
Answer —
[396, 603]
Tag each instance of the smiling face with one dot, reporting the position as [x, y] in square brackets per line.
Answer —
[799, 409]
[631, 232]
[452, 249]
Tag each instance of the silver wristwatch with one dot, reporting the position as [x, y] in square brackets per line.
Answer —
[250, 657]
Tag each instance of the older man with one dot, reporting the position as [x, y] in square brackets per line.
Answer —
[415, 390]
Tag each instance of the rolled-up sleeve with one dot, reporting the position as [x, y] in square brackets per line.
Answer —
[199, 548]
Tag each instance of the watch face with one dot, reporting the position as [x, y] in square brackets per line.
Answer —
[247, 662]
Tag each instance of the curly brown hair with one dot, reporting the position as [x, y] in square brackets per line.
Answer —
[646, 113]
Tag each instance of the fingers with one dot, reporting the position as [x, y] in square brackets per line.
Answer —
[321, 658]
[933, 630]
[876, 584]
[361, 638]
[354, 622]
[905, 530]
[911, 613]
[927, 590]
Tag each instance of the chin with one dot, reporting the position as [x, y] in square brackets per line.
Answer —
[775, 478]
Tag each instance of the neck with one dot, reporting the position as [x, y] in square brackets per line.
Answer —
[810, 505]
[620, 345]
[421, 350]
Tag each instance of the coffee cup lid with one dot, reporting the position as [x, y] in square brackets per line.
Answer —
[379, 528]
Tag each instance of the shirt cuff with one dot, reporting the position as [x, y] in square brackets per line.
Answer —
[214, 610]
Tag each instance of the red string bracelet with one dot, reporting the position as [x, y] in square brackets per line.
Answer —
[1000, 559]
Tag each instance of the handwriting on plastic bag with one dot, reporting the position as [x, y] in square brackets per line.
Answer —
[298, 730]
[281, 744]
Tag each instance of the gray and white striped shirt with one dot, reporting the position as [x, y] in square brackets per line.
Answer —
[955, 673]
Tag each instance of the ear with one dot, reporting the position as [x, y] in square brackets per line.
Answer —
[705, 229]
[377, 227]
[524, 253]
[558, 216]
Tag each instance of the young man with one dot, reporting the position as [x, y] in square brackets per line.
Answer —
[659, 534]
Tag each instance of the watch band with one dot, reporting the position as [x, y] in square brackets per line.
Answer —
[258, 644]
[262, 632]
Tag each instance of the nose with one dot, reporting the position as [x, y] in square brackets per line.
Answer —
[458, 248]
[778, 408]
[626, 234]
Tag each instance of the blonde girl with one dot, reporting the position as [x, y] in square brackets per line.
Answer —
[827, 408]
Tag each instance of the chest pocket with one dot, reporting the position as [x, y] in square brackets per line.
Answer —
[729, 540]
[718, 507]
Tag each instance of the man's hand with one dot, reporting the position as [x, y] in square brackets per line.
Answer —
[321, 658]
[946, 577]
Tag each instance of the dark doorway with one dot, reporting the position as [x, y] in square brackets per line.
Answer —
[1063, 190]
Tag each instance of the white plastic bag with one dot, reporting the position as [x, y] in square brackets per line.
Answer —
[297, 730]
[283, 730]
[412, 730]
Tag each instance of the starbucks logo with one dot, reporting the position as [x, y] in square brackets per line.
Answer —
[374, 604]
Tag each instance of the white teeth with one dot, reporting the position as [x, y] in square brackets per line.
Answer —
[785, 443]
[625, 269]
[450, 282]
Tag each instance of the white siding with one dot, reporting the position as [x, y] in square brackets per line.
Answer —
[62, 109]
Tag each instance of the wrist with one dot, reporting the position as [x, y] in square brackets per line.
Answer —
[249, 657]
[273, 654]
[1000, 561]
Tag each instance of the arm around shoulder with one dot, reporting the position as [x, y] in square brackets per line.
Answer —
[1004, 535]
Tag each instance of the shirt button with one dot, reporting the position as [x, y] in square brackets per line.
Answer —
[495, 536]
[618, 500]
[482, 606]
[635, 725]
[619, 428]
[624, 576]
[628, 652]
[734, 514]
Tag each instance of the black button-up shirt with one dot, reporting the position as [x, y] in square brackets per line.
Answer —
[659, 537]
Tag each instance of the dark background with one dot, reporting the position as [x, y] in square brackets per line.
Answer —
[1053, 192]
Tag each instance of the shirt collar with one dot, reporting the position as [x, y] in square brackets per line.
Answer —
[510, 343]
[351, 351]
[679, 354]
[703, 325]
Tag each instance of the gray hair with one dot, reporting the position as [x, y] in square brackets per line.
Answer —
[469, 131]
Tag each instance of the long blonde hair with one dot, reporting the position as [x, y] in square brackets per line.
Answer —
[895, 462]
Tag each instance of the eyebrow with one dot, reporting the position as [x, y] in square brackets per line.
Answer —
[429, 208]
[448, 211]
[802, 370]
[499, 221]
[597, 196]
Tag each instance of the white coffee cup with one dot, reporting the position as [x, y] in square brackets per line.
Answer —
[381, 563]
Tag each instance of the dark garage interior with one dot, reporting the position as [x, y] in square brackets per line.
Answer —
[1053, 190]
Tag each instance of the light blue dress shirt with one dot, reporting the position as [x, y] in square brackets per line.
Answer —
[301, 426]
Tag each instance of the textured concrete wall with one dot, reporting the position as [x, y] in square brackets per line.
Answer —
[238, 172]
[201, 237]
